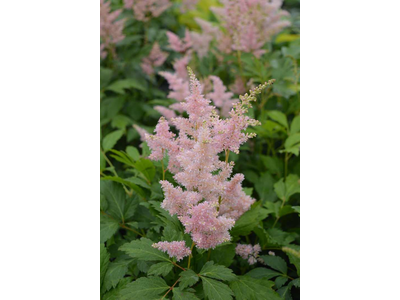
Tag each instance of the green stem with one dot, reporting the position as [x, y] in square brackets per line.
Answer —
[170, 289]
[190, 256]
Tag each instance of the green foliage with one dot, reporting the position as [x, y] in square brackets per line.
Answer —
[132, 218]
[217, 272]
[142, 250]
[149, 288]
[188, 278]
[247, 288]
[215, 289]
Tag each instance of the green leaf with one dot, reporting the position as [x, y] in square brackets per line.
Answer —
[280, 281]
[275, 262]
[273, 164]
[149, 288]
[111, 139]
[120, 85]
[116, 271]
[249, 220]
[188, 278]
[181, 295]
[292, 144]
[105, 77]
[279, 117]
[142, 250]
[108, 227]
[216, 290]
[247, 288]
[162, 268]
[285, 190]
[262, 273]
[114, 294]
[133, 153]
[146, 167]
[285, 210]
[128, 182]
[104, 261]
[295, 126]
[217, 272]
[120, 121]
[293, 252]
[223, 254]
[116, 199]
[265, 187]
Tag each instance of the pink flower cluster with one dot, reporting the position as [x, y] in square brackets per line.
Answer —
[110, 29]
[155, 59]
[210, 203]
[188, 5]
[174, 249]
[249, 252]
[249, 24]
[144, 10]
[220, 97]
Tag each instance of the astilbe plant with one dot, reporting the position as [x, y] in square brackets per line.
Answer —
[110, 29]
[206, 202]
[145, 10]
[249, 24]
[155, 59]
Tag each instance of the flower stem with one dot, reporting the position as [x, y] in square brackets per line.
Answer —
[190, 256]
[170, 289]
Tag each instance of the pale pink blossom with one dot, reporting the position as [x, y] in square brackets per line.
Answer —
[210, 203]
[180, 66]
[110, 29]
[144, 10]
[177, 44]
[220, 97]
[248, 252]
[235, 202]
[188, 5]
[249, 24]
[155, 59]
[166, 112]
[178, 86]
[175, 249]
[142, 132]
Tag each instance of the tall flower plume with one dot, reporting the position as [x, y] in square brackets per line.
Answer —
[249, 24]
[174, 249]
[155, 59]
[207, 201]
[110, 29]
[144, 10]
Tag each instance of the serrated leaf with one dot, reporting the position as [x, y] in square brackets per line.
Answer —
[118, 205]
[162, 268]
[280, 281]
[292, 251]
[149, 288]
[247, 288]
[104, 261]
[188, 278]
[259, 273]
[114, 294]
[275, 262]
[274, 165]
[223, 254]
[182, 295]
[216, 290]
[279, 117]
[142, 250]
[111, 139]
[249, 220]
[285, 190]
[108, 227]
[115, 272]
[217, 271]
